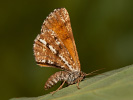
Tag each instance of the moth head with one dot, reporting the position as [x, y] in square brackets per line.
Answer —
[82, 75]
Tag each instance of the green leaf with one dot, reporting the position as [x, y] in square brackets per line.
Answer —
[112, 85]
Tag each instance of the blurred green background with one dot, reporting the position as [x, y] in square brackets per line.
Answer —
[103, 31]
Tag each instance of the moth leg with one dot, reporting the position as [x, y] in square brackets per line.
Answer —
[78, 83]
[58, 88]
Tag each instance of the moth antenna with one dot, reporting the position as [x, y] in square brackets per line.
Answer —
[93, 72]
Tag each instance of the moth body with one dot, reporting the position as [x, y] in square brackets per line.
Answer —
[68, 77]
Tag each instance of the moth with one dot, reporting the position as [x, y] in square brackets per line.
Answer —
[55, 47]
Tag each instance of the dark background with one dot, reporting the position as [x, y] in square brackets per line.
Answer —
[103, 31]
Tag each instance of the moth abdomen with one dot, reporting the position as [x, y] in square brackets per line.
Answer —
[58, 76]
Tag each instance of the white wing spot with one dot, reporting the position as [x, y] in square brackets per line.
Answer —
[50, 62]
[62, 18]
[52, 49]
[43, 41]
[43, 61]
[38, 53]
[57, 42]
[62, 66]
[66, 62]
